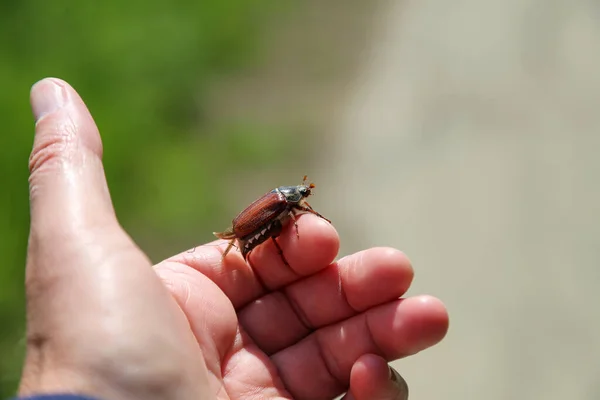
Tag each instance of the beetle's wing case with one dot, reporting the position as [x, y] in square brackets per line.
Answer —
[257, 214]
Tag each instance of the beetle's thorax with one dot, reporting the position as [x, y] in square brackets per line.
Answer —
[294, 194]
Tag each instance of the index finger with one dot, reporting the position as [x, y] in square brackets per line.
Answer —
[315, 248]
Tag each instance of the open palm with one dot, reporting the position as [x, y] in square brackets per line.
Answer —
[101, 321]
[297, 331]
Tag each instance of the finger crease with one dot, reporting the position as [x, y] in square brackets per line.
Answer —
[378, 348]
[328, 362]
[342, 293]
[38, 344]
[261, 283]
[298, 311]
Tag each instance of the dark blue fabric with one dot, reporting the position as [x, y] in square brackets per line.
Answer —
[56, 397]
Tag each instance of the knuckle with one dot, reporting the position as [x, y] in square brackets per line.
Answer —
[52, 140]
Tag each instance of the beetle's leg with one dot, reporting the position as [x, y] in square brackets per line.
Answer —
[306, 207]
[229, 246]
[293, 216]
[280, 252]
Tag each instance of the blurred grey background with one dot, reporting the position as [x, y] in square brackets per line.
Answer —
[467, 134]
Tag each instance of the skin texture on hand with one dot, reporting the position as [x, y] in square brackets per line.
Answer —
[101, 320]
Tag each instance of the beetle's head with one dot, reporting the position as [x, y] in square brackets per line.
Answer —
[304, 189]
[295, 194]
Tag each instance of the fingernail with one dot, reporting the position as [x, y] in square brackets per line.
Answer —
[399, 380]
[47, 96]
[393, 374]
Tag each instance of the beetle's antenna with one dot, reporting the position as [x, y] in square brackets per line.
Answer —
[311, 185]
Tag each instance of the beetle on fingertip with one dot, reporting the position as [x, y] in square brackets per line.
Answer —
[266, 217]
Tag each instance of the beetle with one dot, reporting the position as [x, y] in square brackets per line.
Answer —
[266, 217]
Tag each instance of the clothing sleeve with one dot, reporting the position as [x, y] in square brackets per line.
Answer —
[56, 397]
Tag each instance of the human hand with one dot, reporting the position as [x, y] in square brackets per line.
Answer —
[102, 321]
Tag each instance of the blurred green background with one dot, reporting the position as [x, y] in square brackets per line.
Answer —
[145, 69]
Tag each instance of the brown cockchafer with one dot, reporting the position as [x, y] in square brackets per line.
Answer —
[267, 216]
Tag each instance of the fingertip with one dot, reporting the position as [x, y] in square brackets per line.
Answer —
[386, 259]
[393, 256]
[66, 181]
[371, 378]
[375, 276]
[318, 240]
[369, 369]
[395, 260]
[426, 321]
[314, 247]
[47, 96]
[48, 80]
[408, 326]
[433, 311]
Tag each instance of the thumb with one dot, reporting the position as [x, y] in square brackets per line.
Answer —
[99, 320]
[372, 379]
[73, 224]
[72, 278]
[68, 189]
